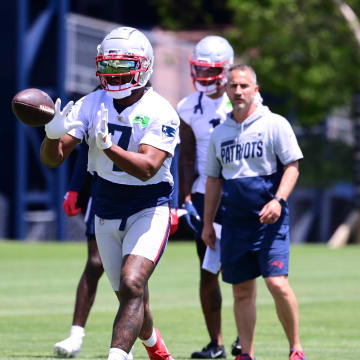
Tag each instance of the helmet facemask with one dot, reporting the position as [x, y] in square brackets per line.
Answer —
[122, 73]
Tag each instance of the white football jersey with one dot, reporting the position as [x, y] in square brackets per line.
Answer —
[203, 114]
[151, 120]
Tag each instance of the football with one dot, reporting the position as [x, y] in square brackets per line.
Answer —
[33, 107]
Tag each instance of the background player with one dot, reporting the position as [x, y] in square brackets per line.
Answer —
[200, 113]
[132, 133]
[252, 163]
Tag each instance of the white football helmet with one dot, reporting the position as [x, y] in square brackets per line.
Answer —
[124, 61]
[211, 58]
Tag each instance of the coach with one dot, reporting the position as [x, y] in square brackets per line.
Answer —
[253, 163]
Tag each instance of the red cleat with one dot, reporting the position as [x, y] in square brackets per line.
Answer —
[159, 350]
[297, 355]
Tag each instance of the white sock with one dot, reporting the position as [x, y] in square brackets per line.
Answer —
[77, 331]
[117, 354]
[151, 341]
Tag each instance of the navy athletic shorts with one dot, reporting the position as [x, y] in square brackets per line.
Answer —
[252, 250]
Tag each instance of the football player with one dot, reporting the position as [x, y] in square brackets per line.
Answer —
[132, 133]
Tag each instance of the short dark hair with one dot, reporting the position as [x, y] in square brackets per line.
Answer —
[242, 67]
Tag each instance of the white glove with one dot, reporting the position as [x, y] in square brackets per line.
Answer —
[103, 138]
[60, 124]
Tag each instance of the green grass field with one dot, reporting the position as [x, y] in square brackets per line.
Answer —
[37, 289]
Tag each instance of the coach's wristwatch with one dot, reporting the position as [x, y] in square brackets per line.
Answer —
[280, 200]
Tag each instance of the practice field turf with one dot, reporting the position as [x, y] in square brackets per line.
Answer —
[37, 289]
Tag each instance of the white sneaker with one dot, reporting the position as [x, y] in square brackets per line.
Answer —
[68, 348]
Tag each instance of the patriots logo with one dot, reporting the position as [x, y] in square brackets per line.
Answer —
[168, 131]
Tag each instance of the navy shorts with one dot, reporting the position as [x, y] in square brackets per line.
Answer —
[90, 220]
[248, 252]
